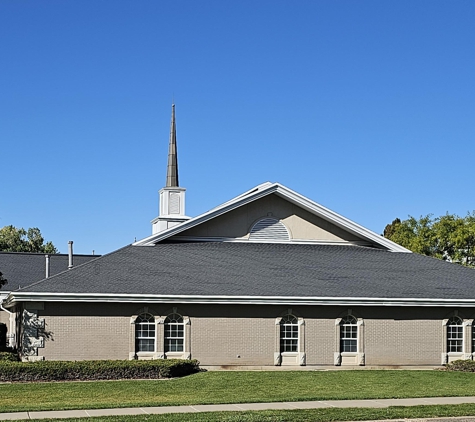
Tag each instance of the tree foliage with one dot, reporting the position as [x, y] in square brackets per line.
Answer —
[448, 237]
[14, 239]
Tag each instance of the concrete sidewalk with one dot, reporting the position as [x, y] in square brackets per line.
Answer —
[245, 406]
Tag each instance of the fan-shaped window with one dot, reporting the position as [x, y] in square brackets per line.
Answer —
[454, 335]
[289, 334]
[174, 333]
[145, 333]
[348, 334]
[269, 230]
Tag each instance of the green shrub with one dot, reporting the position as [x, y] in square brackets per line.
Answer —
[9, 356]
[96, 370]
[461, 366]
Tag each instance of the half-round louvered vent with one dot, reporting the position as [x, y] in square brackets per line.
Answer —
[269, 230]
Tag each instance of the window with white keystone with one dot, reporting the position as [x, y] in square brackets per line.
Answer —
[174, 333]
[289, 334]
[349, 334]
[455, 335]
[145, 333]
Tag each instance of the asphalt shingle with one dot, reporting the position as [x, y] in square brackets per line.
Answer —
[256, 269]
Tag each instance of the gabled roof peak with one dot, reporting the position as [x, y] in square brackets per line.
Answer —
[301, 201]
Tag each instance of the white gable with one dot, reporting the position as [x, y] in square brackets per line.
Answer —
[353, 232]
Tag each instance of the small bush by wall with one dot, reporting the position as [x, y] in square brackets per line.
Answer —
[461, 366]
[95, 370]
[9, 356]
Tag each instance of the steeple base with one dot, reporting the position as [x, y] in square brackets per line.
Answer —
[160, 224]
[172, 209]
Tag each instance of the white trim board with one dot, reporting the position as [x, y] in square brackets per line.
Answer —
[16, 297]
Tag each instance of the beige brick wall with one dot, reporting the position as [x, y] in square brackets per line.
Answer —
[86, 331]
[4, 318]
[219, 334]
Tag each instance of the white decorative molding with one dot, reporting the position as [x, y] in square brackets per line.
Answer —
[443, 358]
[361, 359]
[277, 359]
[337, 358]
[302, 359]
[467, 356]
[32, 358]
[277, 320]
[337, 321]
[291, 241]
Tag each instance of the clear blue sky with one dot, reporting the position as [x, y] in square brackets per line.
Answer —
[366, 107]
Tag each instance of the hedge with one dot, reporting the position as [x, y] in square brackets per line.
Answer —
[9, 356]
[96, 370]
[461, 366]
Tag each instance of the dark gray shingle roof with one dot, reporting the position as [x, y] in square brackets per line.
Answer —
[252, 269]
[22, 269]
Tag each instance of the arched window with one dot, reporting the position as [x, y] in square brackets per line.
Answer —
[289, 334]
[349, 334]
[455, 335]
[145, 333]
[174, 333]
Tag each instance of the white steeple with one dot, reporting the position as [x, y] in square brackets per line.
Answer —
[172, 197]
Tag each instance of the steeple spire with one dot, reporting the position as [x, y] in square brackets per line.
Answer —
[171, 210]
[172, 168]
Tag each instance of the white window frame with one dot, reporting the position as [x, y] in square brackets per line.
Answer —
[349, 358]
[465, 351]
[134, 352]
[170, 322]
[296, 357]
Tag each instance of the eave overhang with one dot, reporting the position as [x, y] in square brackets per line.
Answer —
[18, 297]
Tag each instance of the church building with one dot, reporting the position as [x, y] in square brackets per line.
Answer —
[268, 278]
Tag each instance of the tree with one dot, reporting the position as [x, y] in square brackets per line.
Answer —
[448, 237]
[14, 239]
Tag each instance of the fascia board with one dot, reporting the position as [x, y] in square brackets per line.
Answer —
[16, 297]
[215, 212]
[337, 219]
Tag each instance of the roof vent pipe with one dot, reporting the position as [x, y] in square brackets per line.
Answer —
[47, 265]
[70, 244]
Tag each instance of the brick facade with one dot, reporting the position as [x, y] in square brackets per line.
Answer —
[246, 334]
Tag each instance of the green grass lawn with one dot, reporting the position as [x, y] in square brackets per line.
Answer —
[235, 387]
[312, 415]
